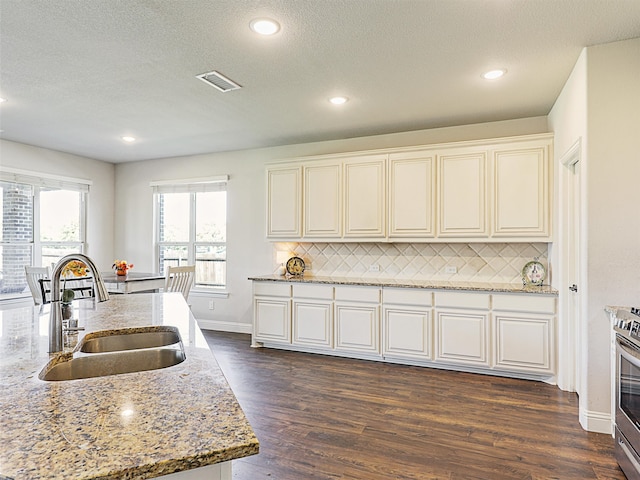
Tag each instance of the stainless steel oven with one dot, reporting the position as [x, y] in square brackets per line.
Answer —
[627, 414]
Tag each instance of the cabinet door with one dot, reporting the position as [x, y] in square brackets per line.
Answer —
[521, 191]
[357, 328]
[284, 200]
[365, 199]
[412, 194]
[462, 337]
[323, 201]
[524, 342]
[272, 319]
[462, 196]
[313, 323]
[407, 332]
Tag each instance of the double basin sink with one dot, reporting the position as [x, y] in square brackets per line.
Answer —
[118, 351]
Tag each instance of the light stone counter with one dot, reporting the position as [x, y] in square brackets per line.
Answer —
[406, 283]
[134, 426]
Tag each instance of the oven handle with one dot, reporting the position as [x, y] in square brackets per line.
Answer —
[632, 354]
[629, 454]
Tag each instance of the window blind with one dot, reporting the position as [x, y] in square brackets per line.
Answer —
[191, 185]
[44, 180]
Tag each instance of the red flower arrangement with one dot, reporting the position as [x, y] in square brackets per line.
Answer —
[121, 267]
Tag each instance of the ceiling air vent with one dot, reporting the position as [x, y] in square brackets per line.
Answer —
[216, 79]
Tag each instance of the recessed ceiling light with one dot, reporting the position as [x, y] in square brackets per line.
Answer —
[493, 74]
[264, 26]
[338, 100]
[128, 139]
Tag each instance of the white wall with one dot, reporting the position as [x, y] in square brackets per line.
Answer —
[249, 253]
[601, 103]
[100, 233]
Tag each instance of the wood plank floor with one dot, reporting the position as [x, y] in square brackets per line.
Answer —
[321, 417]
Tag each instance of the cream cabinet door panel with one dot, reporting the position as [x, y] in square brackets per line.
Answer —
[407, 333]
[365, 199]
[412, 194]
[521, 189]
[312, 324]
[272, 321]
[462, 194]
[462, 338]
[357, 328]
[284, 202]
[524, 343]
[323, 201]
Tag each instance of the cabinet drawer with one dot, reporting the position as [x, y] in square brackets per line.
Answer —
[324, 292]
[272, 289]
[525, 303]
[358, 294]
[462, 300]
[407, 296]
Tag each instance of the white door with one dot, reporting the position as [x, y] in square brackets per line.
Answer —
[570, 345]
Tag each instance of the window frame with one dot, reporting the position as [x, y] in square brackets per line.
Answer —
[192, 187]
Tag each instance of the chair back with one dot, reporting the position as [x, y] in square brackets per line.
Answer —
[180, 279]
[34, 274]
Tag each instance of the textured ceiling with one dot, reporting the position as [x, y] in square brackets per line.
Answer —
[79, 74]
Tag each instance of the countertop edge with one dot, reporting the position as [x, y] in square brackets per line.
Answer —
[394, 283]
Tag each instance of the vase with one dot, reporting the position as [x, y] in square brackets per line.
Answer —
[121, 271]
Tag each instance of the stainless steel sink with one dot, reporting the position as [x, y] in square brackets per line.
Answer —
[100, 365]
[129, 340]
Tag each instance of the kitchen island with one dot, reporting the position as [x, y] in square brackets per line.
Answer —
[183, 418]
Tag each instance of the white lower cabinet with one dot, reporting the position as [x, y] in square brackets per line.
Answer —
[313, 316]
[509, 334]
[524, 333]
[407, 323]
[463, 337]
[272, 312]
[357, 319]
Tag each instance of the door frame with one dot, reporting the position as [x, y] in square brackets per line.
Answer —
[570, 212]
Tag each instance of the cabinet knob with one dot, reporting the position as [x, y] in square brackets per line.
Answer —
[574, 288]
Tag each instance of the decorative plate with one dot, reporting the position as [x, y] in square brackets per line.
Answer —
[533, 273]
[295, 266]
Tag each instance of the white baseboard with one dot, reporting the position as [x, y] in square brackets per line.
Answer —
[598, 422]
[224, 326]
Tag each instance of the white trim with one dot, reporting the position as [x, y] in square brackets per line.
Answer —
[190, 181]
[572, 156]
[599, 422]
[203, 292]
[221, 326]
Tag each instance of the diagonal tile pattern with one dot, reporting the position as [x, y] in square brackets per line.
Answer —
[475, 262]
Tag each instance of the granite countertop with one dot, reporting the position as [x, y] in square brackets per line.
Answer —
[136, 425]
[406, 283]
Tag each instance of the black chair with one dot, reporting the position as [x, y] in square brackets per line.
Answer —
[80, 286]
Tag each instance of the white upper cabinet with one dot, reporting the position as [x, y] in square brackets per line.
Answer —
[462, 194]
[365, 197]
[491, 190]
[521, 189]
[412, 194]
[284, 202]
[323, 200]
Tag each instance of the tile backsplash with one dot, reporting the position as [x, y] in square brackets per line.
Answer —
[473, 262]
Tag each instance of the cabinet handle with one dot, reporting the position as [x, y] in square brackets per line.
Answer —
[574, 288]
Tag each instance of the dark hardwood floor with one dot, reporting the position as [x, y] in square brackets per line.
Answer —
[321, 417]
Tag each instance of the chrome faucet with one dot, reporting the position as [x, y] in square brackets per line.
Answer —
[55, 318]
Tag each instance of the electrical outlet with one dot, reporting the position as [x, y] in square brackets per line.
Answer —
[450, 269]
[374, 267]
[211, 305]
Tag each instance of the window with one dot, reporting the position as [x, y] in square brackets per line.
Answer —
[43, 219]
[191, 228]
